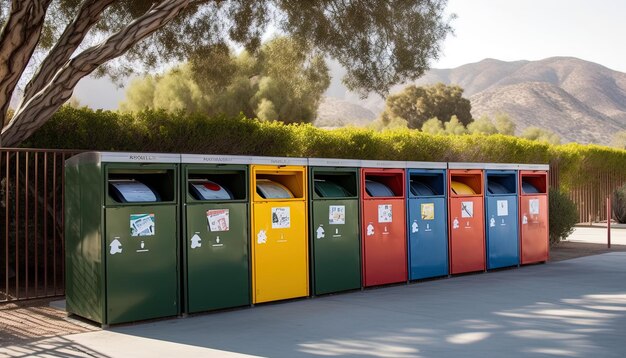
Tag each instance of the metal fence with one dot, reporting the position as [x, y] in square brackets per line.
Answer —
[31, 213]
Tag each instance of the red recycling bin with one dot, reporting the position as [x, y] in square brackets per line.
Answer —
[466, 218]
[533, 212]
[383, 221]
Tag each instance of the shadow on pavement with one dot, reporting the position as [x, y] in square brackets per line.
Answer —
[573, 308]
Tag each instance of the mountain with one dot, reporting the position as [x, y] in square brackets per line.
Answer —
[581, 101]
[336, 112]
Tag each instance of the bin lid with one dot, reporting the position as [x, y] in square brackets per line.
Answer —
[461, 188]
[272, 190]
[528, 188]
[496, 188]
[132, 191]
[421, 189]
[329, 189]
[204, 189]
[374, 188]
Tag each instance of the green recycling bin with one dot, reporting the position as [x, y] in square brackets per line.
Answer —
[334, 225]
[121, 237]
[216, 270]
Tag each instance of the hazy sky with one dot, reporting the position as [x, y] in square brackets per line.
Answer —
[593, 30]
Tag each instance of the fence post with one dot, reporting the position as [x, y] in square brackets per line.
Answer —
[608, 222]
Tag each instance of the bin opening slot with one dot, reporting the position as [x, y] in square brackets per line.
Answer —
[268, 189]
[204, 189]
[131, 191]
[384, 185]
[141, 187]
[282, 185]
[426, 184]
[501, 184]
[534, 184]
[465, 184]
[331, 185]
[217, 186]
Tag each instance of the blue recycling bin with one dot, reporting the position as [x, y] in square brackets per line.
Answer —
[427, 220]
[501, 203]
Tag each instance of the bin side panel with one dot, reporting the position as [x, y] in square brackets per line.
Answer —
[502, 232]
[72, 239]
[217, 267]
[279, 237]
[467, 235]
[428, 239]
[534, 230]
[142, 279]
[85, 264]
[336, 245]
[384, 241]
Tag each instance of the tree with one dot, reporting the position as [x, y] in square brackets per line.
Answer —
[418, 104]
[433, 126]
[482, 125]
[281, 81]
[541, 135]
[454, 126]
[504, 124]
[378, 42]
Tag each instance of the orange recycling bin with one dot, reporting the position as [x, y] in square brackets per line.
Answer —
[383, 222]
[279, 245]
[533, 211]
[466, 217]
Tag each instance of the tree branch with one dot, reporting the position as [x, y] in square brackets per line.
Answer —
[36, 111]
[73, 35]
[18, 40]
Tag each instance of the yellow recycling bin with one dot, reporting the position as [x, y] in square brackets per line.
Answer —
[279, 242]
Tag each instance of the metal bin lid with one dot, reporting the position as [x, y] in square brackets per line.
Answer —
[204, 189]
[461, 188]
[376, 189]
[132, 191]
[528, 188]
[421, 189]
[268, 189]
[329, 189]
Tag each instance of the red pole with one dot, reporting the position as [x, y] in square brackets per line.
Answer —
[608, 222]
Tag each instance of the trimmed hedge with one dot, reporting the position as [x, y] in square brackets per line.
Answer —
[160, 131]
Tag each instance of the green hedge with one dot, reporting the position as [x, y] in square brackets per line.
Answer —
[160, 131]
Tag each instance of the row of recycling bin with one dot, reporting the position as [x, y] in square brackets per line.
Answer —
[156, 235]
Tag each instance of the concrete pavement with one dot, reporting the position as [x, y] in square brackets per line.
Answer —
[598, 234]
[574, 308]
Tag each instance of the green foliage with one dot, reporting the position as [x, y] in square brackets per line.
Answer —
[161, 131]
[618, 204]
[541, 135]
[379, 43]
[416, 105]
[563, 215]
[282, 81]
[454, 126]
[482, 125]
[433, 126]
[504, 124]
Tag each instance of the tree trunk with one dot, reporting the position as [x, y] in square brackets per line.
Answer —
[74, 34]
[36, 111]
[18, 40]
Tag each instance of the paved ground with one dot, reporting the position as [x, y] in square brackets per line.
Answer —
[569, 308]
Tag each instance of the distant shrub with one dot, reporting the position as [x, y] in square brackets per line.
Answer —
[179, 132]
[563, 215]
[618, 204]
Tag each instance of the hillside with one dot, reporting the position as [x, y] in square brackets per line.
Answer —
[581, 101]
